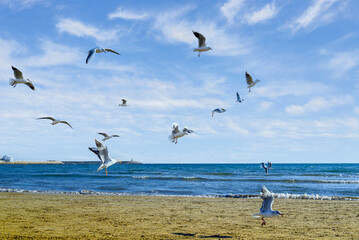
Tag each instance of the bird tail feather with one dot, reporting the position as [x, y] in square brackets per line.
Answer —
[12, 82]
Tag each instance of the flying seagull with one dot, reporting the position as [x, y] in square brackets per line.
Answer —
[201, 43]
[107, 136]
[218, 110]
[239, 99]
[55, 121]
[101, 152]
[124, 103]
[176, 133]
[250, 82]
[266, 209]
[20, 79]
[92, 52]
[265, 167]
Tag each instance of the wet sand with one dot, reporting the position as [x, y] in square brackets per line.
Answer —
[55, 216]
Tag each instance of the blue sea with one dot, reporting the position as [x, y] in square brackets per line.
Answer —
[319, 181]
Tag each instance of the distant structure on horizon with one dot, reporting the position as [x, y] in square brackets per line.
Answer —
[7, 158]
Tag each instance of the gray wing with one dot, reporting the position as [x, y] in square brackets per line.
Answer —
[110, 50]
[124, 101]
[267, 203]
[51, 118]
[66, 123]
[17, 73]
[90, 55]
[201, 39]
[95, 151]
[175, 129]
[103, 151]
[186, 130]
[30, 85]
[103, 134]
[115, 135]
[249, 78]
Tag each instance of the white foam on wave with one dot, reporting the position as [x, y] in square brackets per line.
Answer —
[276, 195]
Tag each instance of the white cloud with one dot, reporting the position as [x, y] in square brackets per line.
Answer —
[320, 11]
[127, 15]
[267, 12]
[318, 104]
[79, 29]
[20, 4]
[342, 62]
[231, 8]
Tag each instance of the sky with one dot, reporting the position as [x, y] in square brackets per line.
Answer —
[304, 110]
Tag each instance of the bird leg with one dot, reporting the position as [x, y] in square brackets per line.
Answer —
[263, 222]
[249, 89]
[106, 171]
[199, 54]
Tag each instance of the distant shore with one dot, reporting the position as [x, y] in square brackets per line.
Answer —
[44, 216]
[64, 162]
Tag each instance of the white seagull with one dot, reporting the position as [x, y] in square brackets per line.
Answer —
[102, 153]
[201, 43]
[124, 103]
[266, 209]
[176, 133]
[107, 136]
[239, 99]
[92, 52]
[20, 79]
[218, 110]
[250, 82]
[55, 121]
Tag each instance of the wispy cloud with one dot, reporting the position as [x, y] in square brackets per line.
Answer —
[19, 4]
[318, 104]
[267, 12]
[80, 29]
[127, 14]
[342, 62]
[319, 12]
[231, 8]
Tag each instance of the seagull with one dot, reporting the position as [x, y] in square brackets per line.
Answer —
[201, 43]
[124, 103]
[20, 79]
[55, 121]
[101, 152]
[250, 82]
[239, 99]
[92, 52]
[176, 133]
[269, 165]
[265, 167]
[107, 136]
[218, 110]
[266, 209]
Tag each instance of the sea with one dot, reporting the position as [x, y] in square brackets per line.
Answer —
[311, 181]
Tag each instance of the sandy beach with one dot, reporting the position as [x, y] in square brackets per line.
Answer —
[43, 216]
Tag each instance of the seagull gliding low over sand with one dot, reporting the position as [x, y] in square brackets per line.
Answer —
[20, 79]
[92, 52]
[266, 209]
[55, 121]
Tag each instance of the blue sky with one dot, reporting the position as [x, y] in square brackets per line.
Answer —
[305, 109]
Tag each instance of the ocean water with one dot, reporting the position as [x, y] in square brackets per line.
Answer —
[212, 180]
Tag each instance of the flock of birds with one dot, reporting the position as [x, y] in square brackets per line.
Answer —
[101, 150]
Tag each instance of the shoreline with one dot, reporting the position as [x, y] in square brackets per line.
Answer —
[242, 196]
[43, 216]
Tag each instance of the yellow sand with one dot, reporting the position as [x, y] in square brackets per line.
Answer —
[43, 216]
